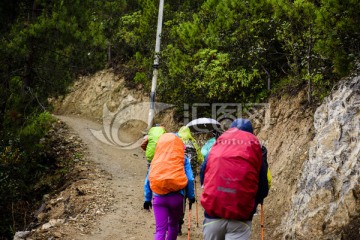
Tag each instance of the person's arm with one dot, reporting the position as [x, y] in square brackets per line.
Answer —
[145, 142]
[264, 181]
[147, 189]
[190, 190]
[202, 171]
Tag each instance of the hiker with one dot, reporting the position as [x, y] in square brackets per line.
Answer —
[236, 179]
[169, 179]
[209, 143]
[193, 153]
[205, 150]
[150, 140]
[192, 150]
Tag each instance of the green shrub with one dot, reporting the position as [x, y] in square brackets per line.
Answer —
[15, 181]
[36, 129]
[29, 168]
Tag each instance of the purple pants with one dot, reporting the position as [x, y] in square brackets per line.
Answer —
[167, 210]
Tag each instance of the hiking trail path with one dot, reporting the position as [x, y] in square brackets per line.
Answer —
[127, 220]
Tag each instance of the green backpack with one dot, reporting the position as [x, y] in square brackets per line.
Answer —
[153, 136]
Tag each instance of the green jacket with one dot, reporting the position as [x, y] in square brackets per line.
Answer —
[185, 135]
[153, 136]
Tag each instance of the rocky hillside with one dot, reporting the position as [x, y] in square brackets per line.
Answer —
[327, 196]
[314, 159]
[88, 95]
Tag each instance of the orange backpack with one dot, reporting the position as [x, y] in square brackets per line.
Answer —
[167, 172]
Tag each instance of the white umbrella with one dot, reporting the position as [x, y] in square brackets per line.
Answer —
[204, 125]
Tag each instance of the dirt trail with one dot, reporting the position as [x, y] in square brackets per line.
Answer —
[128, 168]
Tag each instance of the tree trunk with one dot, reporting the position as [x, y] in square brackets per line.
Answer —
[3, 102]
[29, 72]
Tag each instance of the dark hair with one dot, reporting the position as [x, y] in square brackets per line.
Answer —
[216, 134]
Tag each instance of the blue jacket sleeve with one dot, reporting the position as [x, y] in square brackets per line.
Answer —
[147, 189]
[190, 190]
[202, 171]
[263, 189]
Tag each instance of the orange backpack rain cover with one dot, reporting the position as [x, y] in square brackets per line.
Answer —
[167, 172]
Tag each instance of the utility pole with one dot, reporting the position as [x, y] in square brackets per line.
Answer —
[156, 64]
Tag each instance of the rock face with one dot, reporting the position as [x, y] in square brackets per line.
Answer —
[287, 140]
[326, 204]
[88, 95]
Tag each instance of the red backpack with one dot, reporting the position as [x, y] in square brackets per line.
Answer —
[232, 176]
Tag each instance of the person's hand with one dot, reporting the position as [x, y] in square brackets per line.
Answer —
[191, 201]
[147, 205]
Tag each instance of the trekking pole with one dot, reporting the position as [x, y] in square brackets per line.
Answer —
[189, 219]
[262, 222]
[196, 205]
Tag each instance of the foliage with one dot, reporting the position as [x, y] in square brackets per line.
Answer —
[10, 187]
[211, 51]
[221, 54]
[209, 48]
[338, 24]
[320, 39]
[37, 128]
[44, 52]
[44, 45]
[26, 175]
